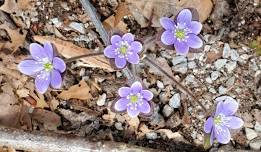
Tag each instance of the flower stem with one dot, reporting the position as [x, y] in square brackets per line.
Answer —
[82, 56]
[178, 85]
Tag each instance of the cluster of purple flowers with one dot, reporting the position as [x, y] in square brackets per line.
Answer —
[181, 33]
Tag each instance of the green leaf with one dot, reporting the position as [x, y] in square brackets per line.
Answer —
[206, 143]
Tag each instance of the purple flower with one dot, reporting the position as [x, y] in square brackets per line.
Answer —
[134, 99]
[123, 49]
[182, 33]
[44, 67]
[223, 120]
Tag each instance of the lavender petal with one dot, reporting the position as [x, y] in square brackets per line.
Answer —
[128, 37]
[167, 23]
[136, 87]
[146, 94]
[228, 107]
[120, 62]
[59, 64]
[208, 125]
[222, 134]
[115, 39]
[167, 37]
[136, 47]
[121, 104]
[49, 50]
[144, 107]
[109, 51]
[194, 41]
[181, 47]
[234, 122]
[56, 79]
[37, 52]
[42, 82]
[124, 91]
[184, 16]
[132, 112]
[195, 27]
[134, 58]
[30, 67]
[212, 136]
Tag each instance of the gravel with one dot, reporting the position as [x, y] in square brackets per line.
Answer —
[175, 101]
[250, 133]
[167, 110]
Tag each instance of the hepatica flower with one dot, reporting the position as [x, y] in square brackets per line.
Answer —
[223, 120]
[123, 49]
[182, 33]
[134, 99]
[44, 67]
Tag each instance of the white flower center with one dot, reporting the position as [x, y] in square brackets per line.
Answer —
[181, 32]
[135, 100]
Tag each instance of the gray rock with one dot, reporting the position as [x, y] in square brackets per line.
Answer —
[78, 27]
[222, 90]
[178, 59]
[56, 22]
[212, 90]
[192, 65]
[118, 126]
[230, 81]
[215, 75]
[101, 100]
[226, 51]
[175, 101]
[250, 133]
[255, 145]
[230, 66]
[220, 63]
[182, 68]
[209, 80]
[167, 110]
[234, 55]
[258, 127]
[160, 85]
[163, 96]
[151, 135]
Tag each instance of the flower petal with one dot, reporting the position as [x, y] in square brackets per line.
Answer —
[212, 136]
[168, 38]
[37, 52]
[128, 37]
[124, 91]
[146, 94]
[194, 41]
[120, 62]
[184, 16]
[195, 27]
[109, 51]
[228, 107]
[56, 79]
[48, 48]
[208, 125]
[30, 67]
[121, 104]
[222, 134]
[133, 112]
[144, 107]
[59, 64]
[136, 87]
[134, 58]
[181, 47]
[42, 82]
[234, 122]
[115, 39]
[136, 47]
[167, 23]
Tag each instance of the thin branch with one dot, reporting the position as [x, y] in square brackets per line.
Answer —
[82, 56]
[178, 85]
[50, 142]
[90, 10]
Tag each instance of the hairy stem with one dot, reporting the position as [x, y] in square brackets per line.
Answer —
[178, 85]
[90, 10]
[82, 56]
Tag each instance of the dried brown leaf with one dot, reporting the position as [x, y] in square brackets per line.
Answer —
[68, 50]
[17, 39]
[144, 11]
[213, 56]
[109, 24]
[79, 91]
[14, 6]
[122, 10]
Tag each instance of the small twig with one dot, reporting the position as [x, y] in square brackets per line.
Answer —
[90, 10]
[50, 142]
[179, 86]
[82, 56]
